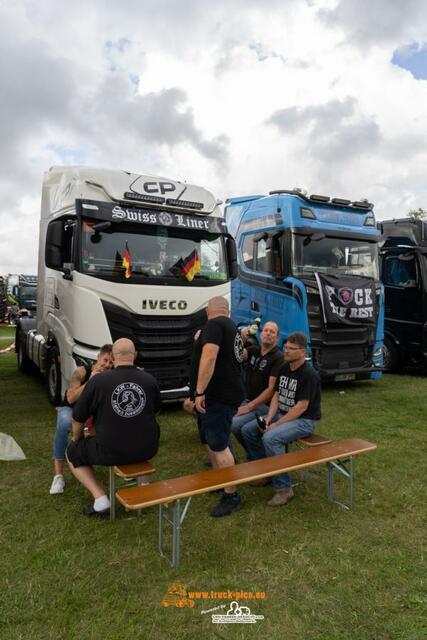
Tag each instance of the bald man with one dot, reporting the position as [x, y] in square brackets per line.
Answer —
[219, 391]
[124, 402]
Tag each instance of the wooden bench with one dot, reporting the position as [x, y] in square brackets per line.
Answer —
[127, 472]
[338, 456]
[313, 441]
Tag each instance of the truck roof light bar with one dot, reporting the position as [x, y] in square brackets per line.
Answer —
[307, 213]
[185, 204]
[316, 198]
[363, 204]
[296, 191]
[141, 197]
[341, 202]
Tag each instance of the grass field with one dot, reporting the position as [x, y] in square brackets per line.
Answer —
[326, 573]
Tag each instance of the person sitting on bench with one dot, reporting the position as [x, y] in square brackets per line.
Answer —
[263, 365]
[124, 402]
[78, 382]
[293, 412]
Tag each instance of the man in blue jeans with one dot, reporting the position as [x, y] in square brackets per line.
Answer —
[263, 366]
[293, 412]
[80, 377]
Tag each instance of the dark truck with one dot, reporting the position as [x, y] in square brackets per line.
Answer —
[404, 274]
[3, 300]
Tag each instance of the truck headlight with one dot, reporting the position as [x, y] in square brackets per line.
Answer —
[83, 362]
[378, 352]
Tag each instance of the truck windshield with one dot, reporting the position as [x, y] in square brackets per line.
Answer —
[158, 253]
[27, 292]
[323, 254]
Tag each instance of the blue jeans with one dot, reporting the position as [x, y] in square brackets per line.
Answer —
[63, 428]
[240, 421]
[272, 443]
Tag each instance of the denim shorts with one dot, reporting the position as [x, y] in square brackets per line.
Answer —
[215, 425]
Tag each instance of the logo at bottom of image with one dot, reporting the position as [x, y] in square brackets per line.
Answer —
[232, 612]
[236, 614]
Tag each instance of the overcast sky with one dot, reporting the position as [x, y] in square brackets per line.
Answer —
[240, 96]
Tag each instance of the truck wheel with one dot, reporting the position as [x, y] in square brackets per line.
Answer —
[24, 363]
[53, 377]
[391, 356]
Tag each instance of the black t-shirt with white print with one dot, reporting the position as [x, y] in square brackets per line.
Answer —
[301, 384]
[123, 402]
[260, 368]
[226, 385]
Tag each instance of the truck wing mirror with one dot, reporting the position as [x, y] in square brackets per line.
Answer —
[54, 245]
[231, 257]
[313, 237]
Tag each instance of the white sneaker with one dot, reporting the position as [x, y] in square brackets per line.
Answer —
[57, 486]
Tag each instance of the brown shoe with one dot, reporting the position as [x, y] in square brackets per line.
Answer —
[262, 482]
[281, 497]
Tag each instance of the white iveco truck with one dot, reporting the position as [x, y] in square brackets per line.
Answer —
[123, 255]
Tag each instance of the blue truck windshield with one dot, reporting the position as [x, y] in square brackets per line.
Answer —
[323, 254]
[154, 253]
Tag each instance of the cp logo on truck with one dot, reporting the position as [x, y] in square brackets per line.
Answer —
[128, 399]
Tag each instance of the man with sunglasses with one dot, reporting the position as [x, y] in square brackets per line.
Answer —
[293, 412]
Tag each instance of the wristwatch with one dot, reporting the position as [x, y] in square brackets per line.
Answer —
[198, 395]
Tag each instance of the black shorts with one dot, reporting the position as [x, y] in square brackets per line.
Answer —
[215, 425]
[85, 453]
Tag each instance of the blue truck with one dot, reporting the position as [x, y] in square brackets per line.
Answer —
[311, 264]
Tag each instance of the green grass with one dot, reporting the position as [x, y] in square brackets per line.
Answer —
[327, 573]
[7, 331]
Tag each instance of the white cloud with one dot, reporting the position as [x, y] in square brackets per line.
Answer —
[240, 97]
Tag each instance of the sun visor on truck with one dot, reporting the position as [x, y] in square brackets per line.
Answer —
[134, 215]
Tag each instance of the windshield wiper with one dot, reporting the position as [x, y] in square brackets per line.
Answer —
[345, 274]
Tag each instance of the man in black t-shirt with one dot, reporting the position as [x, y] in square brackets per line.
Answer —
[293, 412]
[219, 391]
[124, 402]
[263, 364]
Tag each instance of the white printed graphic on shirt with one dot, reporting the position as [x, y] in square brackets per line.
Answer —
[287, 392]
[238, 348]
[128, 399]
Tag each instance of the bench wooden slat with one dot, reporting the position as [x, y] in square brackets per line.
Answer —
[314, 440]
[129, 471]
[205, 481]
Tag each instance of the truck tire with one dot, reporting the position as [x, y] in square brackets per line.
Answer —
[24, 363]
[391, 356]
[53, 377]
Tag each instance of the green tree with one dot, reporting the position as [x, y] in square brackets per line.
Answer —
[417, 214]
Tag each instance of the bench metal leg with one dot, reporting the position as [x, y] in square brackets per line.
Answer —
[112, 494]
[345, 468]
[176, 522]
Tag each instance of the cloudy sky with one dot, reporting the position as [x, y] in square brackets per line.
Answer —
[240, 96]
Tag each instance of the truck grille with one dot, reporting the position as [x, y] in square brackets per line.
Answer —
[164, 344]
[338, 347]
